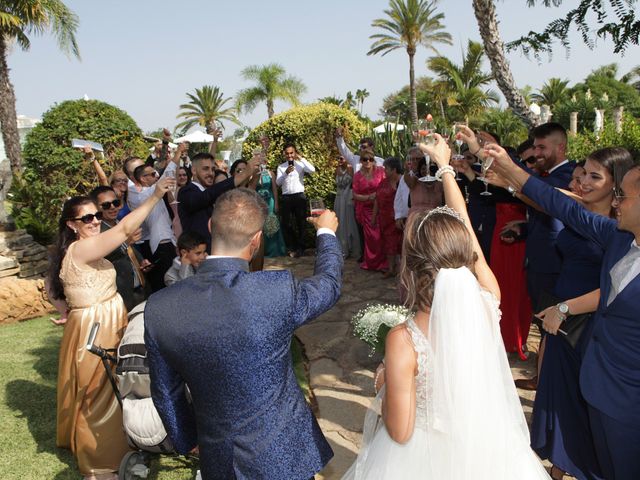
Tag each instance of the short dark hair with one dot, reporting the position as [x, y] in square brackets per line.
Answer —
[367, 140]
[198, 157]
[393, 163]
[524, 146]
[549, 128]
[290, 145]
[96, 192]
[190, 240]
[137, 173]
[127, 161]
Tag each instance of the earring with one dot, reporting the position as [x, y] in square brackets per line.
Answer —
[75, 231]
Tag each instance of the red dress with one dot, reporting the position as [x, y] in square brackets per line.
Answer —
[507, 263]
[373, 257]
[391, 236]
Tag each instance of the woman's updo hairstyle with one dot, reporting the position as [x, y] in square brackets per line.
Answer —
[432, 240]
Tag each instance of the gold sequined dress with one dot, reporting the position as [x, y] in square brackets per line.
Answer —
[89, 419]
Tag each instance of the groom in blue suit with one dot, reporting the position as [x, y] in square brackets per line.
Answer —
[226, 334]
[610, 371]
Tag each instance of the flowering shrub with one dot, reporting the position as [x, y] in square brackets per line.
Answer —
[371, 324]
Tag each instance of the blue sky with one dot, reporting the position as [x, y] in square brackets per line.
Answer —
[143, 56]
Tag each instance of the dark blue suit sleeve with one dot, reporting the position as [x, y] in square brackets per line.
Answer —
[317, 294]
[169, 397]
[568, 211]
[192, 199]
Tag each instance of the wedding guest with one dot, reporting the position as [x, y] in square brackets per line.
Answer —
[366, 143]
[365, 185]
[290, 178]
[348, 232]
[237, 169]
[183, 177]
[424, 193]
[609, 374]
[446, 414]
[560, 429]
[129, 264]
[268, 189]
[383, 214]
[192, 251]
[118, 181]
[401, 200]
[89, 419]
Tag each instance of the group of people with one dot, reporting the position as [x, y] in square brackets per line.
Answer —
[475, 257]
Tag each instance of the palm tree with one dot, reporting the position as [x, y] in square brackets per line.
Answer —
[632, 77]
[464, 83]
[485, 12]
[271, 84]
[18, 20]
[361, 95]
[204, 108]
[553, 93]
[409, 23]
[348, 101]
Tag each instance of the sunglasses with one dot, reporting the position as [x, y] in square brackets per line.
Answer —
[530, 160]
[119, 180]
[88, 218]
[364, 160]
[619, 194]
[107, 205]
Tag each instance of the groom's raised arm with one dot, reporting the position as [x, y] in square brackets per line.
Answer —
[317, 294]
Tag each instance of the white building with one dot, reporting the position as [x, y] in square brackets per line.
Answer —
[25, 124]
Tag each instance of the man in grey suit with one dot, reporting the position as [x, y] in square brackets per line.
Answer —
[226, 333]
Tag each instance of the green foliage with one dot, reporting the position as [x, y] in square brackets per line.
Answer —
[54, 171]
[582, 144]
[506, 124]
[616, 20]
[553, 92]
[204, 108]
[311, 128]
[600, 89]
[392, 142]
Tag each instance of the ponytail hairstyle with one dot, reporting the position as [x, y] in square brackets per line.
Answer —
[65, 237]
[433, 240]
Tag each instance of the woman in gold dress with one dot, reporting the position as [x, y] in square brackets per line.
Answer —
[89, 419]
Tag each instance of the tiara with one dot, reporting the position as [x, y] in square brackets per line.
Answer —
[445, 210]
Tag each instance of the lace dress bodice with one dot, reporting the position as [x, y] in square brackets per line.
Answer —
[423, 377]
[343, 181]
[84, 287]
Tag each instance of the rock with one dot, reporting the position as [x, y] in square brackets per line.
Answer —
[22, 299]
[9, 272]
[6, 262]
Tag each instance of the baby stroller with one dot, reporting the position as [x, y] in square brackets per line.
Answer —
[142, 424]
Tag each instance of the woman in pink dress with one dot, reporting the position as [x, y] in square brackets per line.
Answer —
[384, 215]
[365, 184]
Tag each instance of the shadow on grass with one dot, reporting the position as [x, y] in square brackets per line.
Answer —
[36, 402]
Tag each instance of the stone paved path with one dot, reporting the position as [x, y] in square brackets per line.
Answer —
[341, 369]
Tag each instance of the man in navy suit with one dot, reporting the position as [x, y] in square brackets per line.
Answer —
[198, 197]
[543, 260]
[610, 371]
[226, 333]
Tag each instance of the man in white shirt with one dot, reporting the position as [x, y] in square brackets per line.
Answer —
[290, 178]
[366, 143]
[401, 200]
[159, 244]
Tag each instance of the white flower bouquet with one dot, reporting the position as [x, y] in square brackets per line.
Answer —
[372, 323]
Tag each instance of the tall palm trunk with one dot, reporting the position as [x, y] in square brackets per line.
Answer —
[9, 125]
[270, 110]
[493, 46]
[411, 51]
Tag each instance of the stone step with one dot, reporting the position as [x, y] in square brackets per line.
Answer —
[9, 272]
[7, 262]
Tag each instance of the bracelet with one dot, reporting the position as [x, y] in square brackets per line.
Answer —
[512, 191]
[375, 379]
[477, 151]
[445, 169]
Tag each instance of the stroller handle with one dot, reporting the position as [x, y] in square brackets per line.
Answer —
[92, 337]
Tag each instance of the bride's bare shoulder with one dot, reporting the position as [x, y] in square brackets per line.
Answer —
[399, 344]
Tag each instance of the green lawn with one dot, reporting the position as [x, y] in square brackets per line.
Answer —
[28, 371]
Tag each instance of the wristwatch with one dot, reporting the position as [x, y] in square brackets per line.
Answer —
[563, 308]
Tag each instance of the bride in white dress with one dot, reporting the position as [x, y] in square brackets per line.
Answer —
[447, 408]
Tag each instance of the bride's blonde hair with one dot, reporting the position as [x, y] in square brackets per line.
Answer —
[432, 241]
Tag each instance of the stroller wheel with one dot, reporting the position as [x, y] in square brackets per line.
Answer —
[133, 466]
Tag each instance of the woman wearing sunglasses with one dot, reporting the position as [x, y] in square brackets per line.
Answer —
[89, 421]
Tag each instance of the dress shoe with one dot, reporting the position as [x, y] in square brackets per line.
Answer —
[527, 383]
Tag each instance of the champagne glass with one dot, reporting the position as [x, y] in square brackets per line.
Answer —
[316, 207]
[486, 164]
[481, 144]
[458, 157]
[174, 188]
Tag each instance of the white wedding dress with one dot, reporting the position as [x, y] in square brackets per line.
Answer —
[469, 424]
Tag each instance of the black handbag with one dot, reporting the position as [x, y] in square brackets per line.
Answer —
[571, 327]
